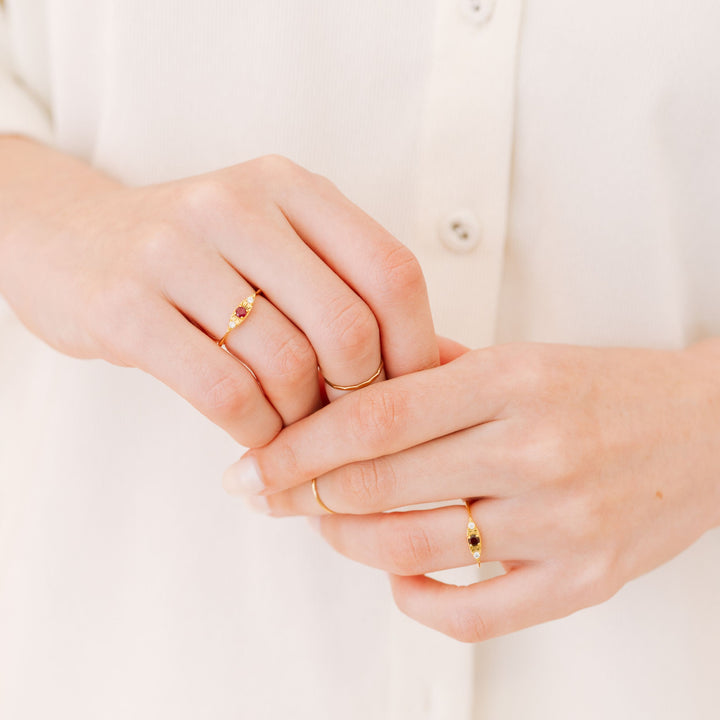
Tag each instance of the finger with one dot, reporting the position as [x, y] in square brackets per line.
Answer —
[522, 597]
[377, 266]
[415, 542]
[207, 290]
[341, 328]
[450, 349]
[469, 463]
[170, 348]
[371, 261]
[376, 421]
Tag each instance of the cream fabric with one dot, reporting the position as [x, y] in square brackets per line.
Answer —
[556, 168]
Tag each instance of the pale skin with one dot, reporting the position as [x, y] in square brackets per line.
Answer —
[589, 466]
[149, 277]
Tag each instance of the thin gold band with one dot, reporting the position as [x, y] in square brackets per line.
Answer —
[474, 538]
[318, 498]
[363, 384]
[239, 316]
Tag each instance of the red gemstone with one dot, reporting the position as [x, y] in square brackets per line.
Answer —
[241, 312]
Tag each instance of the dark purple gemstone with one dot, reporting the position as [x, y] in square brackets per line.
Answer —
[474, 540]
[241, 312]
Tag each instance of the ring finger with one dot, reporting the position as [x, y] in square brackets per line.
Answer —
[422, 541]
[208, 290]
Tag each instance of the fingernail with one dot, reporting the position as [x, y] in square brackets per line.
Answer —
[258, 503]
[243, 478]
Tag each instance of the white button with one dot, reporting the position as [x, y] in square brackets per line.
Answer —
[460, 231]
[477, 11]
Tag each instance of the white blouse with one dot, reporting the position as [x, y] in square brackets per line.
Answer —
[555, 167]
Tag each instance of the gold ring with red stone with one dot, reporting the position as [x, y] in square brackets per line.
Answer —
[474, 539]
[239, 316]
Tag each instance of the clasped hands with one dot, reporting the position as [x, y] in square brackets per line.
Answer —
[586, 467]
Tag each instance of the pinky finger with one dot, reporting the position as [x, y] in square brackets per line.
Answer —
[481, 611]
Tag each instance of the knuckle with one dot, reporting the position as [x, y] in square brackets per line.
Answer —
[323, 185]
[468, 625]
[364, 484]
[351, 326]
[375, 415]
[558, 457]
[595, 583]
[201, 196]
[225, 397]
[547, 456]
[410, 552]
[525, 368]
[401, 273]
[274, 166]
[537, 369]
[156, 244]
[290, 357]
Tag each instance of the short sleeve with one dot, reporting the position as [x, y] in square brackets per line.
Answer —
[20, 111]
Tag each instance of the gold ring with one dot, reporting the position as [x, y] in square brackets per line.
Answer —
[474, 539]
[319, 500]
[239, 316]
[363, 384]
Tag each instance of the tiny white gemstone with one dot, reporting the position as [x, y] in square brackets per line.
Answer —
[476, 555]
[471, 525]
[233, 323]
[250, 300]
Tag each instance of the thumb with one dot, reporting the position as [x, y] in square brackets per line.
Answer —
[450, 349]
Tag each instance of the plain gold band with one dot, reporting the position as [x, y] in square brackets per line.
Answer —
[319, 500]
[363, 384]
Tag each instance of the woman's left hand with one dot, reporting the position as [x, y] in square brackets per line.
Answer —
[588, 467]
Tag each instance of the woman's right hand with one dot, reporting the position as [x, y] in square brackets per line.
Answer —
[149, 277]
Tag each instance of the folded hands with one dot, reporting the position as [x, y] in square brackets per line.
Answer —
[585, 467]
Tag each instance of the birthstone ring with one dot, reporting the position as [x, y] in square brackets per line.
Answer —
[474, 539]
[239, 316]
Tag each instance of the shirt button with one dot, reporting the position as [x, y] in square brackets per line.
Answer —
[477, 11]
[460, 231]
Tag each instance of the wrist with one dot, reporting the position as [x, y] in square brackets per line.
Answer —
[37, 180]
[40, 191]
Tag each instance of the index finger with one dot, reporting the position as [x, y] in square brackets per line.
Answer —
[376, 421]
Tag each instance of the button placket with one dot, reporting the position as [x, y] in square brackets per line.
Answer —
[465, 159]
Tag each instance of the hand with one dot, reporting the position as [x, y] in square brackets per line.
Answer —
[589, 467]
[150, 276]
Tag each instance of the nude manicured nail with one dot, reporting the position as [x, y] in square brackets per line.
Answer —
[243, 478]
